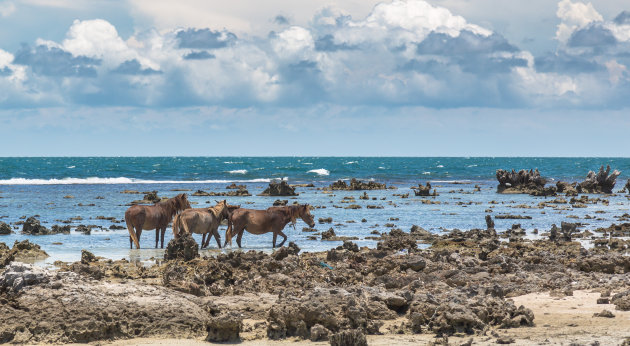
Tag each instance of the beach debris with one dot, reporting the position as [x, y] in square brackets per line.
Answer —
[279, 188]
[601, 182]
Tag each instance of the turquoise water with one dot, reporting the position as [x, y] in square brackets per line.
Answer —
[37, 186]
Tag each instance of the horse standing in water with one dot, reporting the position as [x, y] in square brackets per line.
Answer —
[203, 221]
[157, 216]
[273, 219]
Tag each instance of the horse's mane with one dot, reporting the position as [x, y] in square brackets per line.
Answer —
[172, 204]
[216, 210]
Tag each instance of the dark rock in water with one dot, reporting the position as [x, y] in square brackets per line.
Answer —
[397, 240]
[424, 190]
[233, 186]
[489, 222]
[627, 186]
[281, 188]
[84, 229]
[529, 182]
[353, 337]
[325, 220]
[566, 188]
[602, 182]
[280, 202]
[152, 197]
[32, 227]
[60, 229]
[356, 185]
[5, 228]
[237, 193]
[350, 246]
[87, 257]
[224, 327]
[184, 247]
[328, 234]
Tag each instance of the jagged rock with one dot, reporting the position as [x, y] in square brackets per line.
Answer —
[60, 229]
[351, 337]
[522, 182]
[356, 185]
[280, 202]
[87, 257]
[233, 186]
[602, 182]
[566, 188]
[281, 188]
[224, 327]
[621, 301]
[424, 190]
[627, 186]
[150, 197]
[285, 251]
[32, 226]
[396, 239]
[319, 333]
[83, 229]
[564, 234]
[19, 275]
[329, 234]
[5, 228]
[183, 247]
[237, 193]
[489, 222]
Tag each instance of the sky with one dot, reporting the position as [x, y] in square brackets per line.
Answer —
[316, 78]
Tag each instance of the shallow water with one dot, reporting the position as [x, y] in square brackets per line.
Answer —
[37, 186]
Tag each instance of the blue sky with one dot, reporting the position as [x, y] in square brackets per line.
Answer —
[409, 78]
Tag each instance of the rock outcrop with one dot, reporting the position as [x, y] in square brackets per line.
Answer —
[356, 185]
[601, 182]
[529, 182]
[183, 247]
[281, 188]
[424, 190]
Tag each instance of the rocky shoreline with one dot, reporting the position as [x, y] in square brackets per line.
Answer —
[462, 286]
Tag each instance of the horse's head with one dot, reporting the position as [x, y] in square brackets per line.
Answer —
[304, 211]
[182, 201]
[223, 209]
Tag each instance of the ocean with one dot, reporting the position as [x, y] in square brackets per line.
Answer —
[61, 188]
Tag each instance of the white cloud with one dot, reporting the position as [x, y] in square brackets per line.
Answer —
[574, 16]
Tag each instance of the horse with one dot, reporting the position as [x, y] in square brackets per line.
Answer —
[158, 216]
[203, 221]
[273, 219]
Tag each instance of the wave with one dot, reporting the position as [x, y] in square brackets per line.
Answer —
[321, 171]
[440, 166]
[238, 171]
[122, 180]
[351, 162]
[71, 167]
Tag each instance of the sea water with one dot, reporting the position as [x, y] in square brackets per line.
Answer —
[39, 186]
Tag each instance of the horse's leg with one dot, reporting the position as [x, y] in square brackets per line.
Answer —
[275, 235]
[157, 236]
[162, 237]
[240, 236]
[130, 242]
[283, 240]
[217, 237]
[203, 239]
[138, 234]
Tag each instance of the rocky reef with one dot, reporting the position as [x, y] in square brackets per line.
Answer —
[281, 188]
[528, 182]
[356, 185]
[601, 182]
[424, 190]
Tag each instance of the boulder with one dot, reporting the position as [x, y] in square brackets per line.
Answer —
[5, 228]
[224, 327]
[32, 226]
[352, 337]
[356, 185]
[529, 182]
[183, 247]
[424, 190]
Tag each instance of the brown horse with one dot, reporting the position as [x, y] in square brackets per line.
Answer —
[273, 219]
[203, 221]
[156, 216]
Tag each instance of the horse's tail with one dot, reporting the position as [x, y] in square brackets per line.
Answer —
[228, 232]
[132, 232]
[176, 226]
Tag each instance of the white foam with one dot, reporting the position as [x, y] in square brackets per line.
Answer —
[120, 180]
[321, 171]
[426, 173]
[440, 166]
[71, 167]
[351, 162]
[238, 171]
